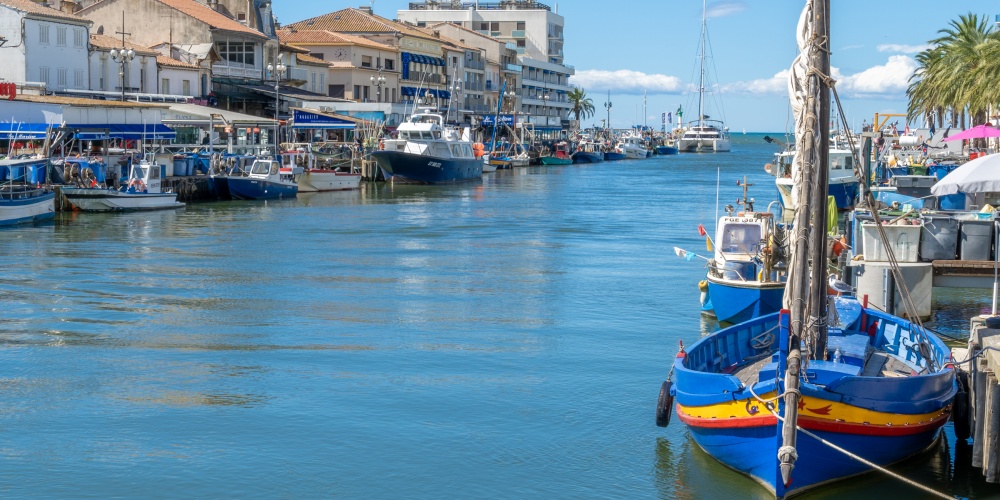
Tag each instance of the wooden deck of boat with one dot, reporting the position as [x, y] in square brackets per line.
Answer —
[749, 373]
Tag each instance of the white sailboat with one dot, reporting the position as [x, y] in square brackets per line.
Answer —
[704, 135]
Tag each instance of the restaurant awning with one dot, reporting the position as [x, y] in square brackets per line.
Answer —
[89, 132]
[302, 119]
[20, 131]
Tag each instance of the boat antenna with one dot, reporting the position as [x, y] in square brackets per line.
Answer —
[701, 84]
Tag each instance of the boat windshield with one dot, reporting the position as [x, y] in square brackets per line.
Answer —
[261, 167]
[740, 238]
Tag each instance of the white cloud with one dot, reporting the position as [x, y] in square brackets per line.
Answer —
[902, 49]
[889, 79]
[626, 81]
[722, 9]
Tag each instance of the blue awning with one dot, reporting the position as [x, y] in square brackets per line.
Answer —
[307, 120]
[408, 90]
[19, 131]
[145, 132]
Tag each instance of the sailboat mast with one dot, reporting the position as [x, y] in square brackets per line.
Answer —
[701, 84]
[817, 247]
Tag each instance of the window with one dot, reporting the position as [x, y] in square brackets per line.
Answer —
[78, 79]
[336, 91]
[142, 75]
[242, 17]
[237, 52]
[322, 81]
[520, 43]
[104, 71]
[43, 33]
[494, 26]
[367, 89]
[61, 36]
[61, 77]
[366, 61]
[520, 26]
[78, 37]
[390, 64]
[164, 86]
[312, 82]
[318, 55]
[484, 26]
[186, 87]
[357, 92]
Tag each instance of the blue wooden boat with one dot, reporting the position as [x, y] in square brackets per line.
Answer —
[264, 181]
[817, 392]
[666, 150]
[876, 395]
[427, 152]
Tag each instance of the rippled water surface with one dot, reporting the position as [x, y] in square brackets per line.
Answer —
[498, 339]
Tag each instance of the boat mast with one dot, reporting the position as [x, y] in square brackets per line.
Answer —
[806, 287]
[701, 84]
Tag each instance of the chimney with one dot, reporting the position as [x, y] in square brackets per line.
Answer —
[214, 5]
[366, 9]
[69, 6]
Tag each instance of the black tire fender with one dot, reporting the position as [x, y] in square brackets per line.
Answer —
[664, 405]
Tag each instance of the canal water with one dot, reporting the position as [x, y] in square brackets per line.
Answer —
[497, 339]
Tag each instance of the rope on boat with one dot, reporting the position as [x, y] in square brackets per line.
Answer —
[769, 404]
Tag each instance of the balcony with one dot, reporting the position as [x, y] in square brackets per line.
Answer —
[517, 34]
[521, 50]
[516, 68]
[220, 70]
[474, 86]
[416, 77]
[297, 74]
[474, 65]
[511, 45]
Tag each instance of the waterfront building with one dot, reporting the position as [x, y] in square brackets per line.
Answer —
[234, 54]
[352, 61]
[537, 35]
[136, 76]
[44, 46]
[422, 68]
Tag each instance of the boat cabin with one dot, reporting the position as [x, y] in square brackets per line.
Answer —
[703, 131]
[425, 133]
[740, 241]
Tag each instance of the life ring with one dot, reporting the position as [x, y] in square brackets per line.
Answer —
[664, 404]
[137, 184]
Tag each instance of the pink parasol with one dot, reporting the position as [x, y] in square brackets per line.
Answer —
[977, 132]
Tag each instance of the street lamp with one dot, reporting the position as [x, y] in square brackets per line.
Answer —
[278, 72]
[378, 82]
[545, 99]
[122, 57]
[457, 89]
[607, 106]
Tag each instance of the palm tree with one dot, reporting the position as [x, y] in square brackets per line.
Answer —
[583, 106]
[958, 73]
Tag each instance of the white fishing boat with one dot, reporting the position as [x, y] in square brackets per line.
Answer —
[843, 185]
[632, 145]
[704, 135]
[143, 192]
[314, 176]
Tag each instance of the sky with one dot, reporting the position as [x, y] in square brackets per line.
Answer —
[627, 47]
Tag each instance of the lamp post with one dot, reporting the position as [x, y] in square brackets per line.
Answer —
[123, 56]
[378, 82]
[607, 106]
[278, 72]
[456, 89]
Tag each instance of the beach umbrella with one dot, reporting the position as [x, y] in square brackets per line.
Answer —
[981, 175]
[977, 132]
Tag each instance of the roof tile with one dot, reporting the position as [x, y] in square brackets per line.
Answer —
[36, 8]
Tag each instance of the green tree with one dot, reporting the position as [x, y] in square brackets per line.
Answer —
[957, 74]
[583, 106]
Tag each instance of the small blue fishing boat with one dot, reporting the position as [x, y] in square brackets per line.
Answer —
[614, 156]
[746, 277]
[587, 151]
[264, 181]
[666, 150]
[23, 201]
[427, 152]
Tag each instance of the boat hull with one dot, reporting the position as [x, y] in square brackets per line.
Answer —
[844, 192]
[249, 188]
[112, 200]
[733, 301]
[553, 160]
[327, 180]
[666, 150]
[423, 169]
[613, 156]
[587, 157]
[704, 146]
[27, 210]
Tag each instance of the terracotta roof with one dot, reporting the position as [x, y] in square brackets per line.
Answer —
[42, 10]
[80, 101]
[325, 37]
[195, 10]
[352, 20]
[107, 42]
[308, 59]
[170, 62]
